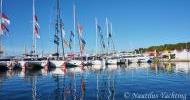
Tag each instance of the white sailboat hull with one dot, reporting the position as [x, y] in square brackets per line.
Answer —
[143, 59]
[122, 61]
[112, 61]
[96, 62]
[3, 65]
[57, 63]
[45, 63]
[132, 60]
[25, 64]
[73, 63]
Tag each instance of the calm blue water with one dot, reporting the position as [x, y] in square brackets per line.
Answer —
[157, 81]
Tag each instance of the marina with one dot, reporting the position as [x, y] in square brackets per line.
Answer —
[108, 55]
[83, 50]
[105, 53]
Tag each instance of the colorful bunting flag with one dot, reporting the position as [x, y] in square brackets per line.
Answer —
[80, 30]
[110, 34]
[36, 27]
[99, 29]
[66, 44]
[4, 22]
[4, 27]
[72, 34]
[83, 42]
[56, 39]
[5, 19]
[70, 40]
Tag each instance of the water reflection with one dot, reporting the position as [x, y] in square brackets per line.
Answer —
[183, 67]
[67, 85]
[96, 82]
[34, 87]
[106, 84]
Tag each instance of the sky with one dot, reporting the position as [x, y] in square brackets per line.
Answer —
[136, 23]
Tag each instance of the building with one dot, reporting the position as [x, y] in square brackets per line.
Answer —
[181, 55]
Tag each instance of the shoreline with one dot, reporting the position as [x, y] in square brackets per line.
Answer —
[173, 60]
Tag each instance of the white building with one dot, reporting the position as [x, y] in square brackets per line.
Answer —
[181, 55]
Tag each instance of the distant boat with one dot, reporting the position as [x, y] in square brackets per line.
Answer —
[135, 58]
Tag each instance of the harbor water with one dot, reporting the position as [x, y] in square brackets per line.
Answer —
[135, 81]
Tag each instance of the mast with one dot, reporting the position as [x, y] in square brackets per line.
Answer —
[79, 32]
[59, 29]
[111, 29]
[107, 31]
[74, 27]
[1, 29]
[96, 23]
[33, 31]
[62, 37]
[56, 37]
[25, 51]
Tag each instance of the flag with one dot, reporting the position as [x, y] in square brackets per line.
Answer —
[104, 46]
[63, 32]
[83, 41]
[5, 19]
[36, 18]
[72, 34]
[70, 43]
[82, 44]
[99, 29]
[36, 32]
[65, 43]
[36, 21]
[101, 36]
[110, 34]
[80, 30]
[70, 40]
[4, 22]
[4, 27]
[82, 47]
[36, 27]
[56, 41]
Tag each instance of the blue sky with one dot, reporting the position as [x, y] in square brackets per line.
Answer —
[136, 23]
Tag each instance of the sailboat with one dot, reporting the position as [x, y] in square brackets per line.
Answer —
[59, 33]
[31, 61]
[111, 60]
[98, 60]
[4, 21]
[75, 62]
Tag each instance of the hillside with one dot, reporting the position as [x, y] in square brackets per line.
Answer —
[177, 46]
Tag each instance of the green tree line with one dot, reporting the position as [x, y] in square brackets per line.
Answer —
[177, 46]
